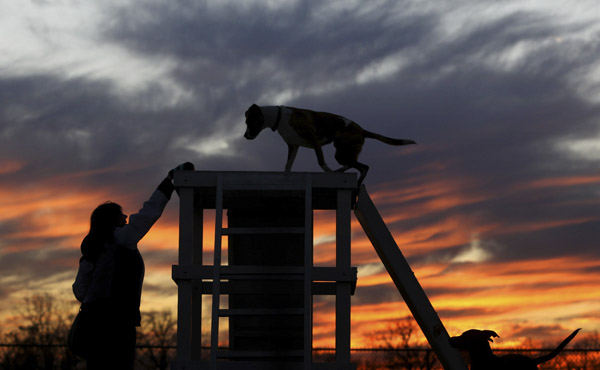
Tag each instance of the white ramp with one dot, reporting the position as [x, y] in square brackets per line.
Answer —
[406, 282]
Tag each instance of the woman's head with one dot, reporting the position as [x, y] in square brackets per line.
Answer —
[105, 218]
[103, 222]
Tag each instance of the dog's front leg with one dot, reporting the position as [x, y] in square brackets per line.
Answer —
[320, 158]
[292, 151]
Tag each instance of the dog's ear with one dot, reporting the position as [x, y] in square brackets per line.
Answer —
[489, 334]
[253, 110]
[249, 109]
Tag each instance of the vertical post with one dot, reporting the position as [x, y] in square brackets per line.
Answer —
[343, 259]
[216, 284]
[184, 291]
[308, 263]
[198, 222]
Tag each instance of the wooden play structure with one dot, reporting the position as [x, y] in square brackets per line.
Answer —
[264, 290]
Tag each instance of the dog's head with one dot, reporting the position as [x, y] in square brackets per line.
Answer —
[473, 339]
[255, 122]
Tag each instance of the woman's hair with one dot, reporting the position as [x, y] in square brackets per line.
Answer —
[103, 222]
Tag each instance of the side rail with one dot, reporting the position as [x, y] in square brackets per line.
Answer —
[406, 282]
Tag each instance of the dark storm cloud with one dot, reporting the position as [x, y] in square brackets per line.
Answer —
[11, 226]
[560, 241]
[297, 38]
[231, 56]
[57, 127]
[31, 269]
[483, 120]
[374, 294]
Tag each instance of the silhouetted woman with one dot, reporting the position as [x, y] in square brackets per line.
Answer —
[110, 276]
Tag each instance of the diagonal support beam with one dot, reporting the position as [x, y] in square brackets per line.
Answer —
[406, 282]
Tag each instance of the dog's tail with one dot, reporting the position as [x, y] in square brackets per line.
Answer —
[560, 347]
[387, 140]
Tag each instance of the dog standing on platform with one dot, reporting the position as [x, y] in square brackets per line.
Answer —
[303, 127]
[476, 342]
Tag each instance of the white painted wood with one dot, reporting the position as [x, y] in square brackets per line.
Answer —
[265, 180]
[342, 299]
[260, 312]
[308, 264]
[184, 292]
[406, 282]
[197, 272]
[196, 303]
[262, 230]
[318, 288]
[214, 343]
[186, 226]
[219, 188]
[184, 315]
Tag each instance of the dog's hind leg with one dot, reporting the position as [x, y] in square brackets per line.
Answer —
[292, 151]
[363, 169]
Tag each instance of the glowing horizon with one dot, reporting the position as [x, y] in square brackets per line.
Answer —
[468, 290]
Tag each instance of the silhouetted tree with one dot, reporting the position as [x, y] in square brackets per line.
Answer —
[583, 359]
[404, 350]
[38, 343]
[159, 329]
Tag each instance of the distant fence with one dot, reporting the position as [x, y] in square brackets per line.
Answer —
[425, 359]
[158, 357]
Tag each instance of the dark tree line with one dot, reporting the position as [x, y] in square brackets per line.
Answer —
[39, 342]
[403, 349]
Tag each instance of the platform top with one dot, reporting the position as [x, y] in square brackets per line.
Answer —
[265, 180]
[255, 188]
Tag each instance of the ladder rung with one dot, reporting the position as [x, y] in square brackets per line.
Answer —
[261, 270]
[261, 273]
[262, 230]
[261, 334]
[266, 277]
[260, 312]
[243, 187]
[257, 354]
[250, 288]
[207, 272]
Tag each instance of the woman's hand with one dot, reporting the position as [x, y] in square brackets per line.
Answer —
[187, 166]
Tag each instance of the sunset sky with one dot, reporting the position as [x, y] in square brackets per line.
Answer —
[497, 208]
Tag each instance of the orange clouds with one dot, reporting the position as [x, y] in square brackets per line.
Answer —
[429, 223]
[494, 295]
[39, 212]
[562, 182]
[8, 166]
